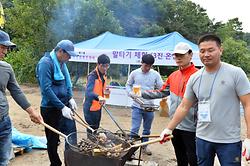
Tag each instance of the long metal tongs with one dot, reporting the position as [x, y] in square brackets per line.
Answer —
[81, 121]
[113, 119]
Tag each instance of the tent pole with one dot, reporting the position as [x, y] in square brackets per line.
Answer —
[128, 69]
[88, 68]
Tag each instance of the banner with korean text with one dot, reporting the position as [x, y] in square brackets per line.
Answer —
[132, 57]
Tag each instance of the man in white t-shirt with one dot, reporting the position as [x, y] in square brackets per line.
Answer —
[218, 88]
[148, 79]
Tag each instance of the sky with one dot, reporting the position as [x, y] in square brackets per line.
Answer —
[223, 10]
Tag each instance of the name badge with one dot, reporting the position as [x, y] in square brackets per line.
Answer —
[204, 111]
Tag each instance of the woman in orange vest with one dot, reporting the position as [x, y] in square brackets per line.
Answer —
[96, 84]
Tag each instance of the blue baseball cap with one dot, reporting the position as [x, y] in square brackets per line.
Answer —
[5, 39]
[67, 46]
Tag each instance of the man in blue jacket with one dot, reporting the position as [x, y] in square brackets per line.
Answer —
[56, 90]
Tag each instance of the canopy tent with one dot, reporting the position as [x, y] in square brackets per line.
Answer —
[129, 50]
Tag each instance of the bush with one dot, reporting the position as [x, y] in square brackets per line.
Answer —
[23, 63]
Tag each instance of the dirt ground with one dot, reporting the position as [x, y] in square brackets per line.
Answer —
[162, 154]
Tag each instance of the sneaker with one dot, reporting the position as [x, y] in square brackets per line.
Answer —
[146, 150]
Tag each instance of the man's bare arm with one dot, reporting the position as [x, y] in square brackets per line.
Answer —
[180, 113]
[245, 100]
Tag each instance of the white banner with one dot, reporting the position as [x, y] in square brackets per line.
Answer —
[129, 56]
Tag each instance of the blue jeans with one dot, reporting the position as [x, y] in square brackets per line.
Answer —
[229, 154]
[137, 116]
[5, 140]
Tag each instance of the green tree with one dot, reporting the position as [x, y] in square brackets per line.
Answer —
[151, 30]
[23, 63]
[235, 48]
[133, 15]
[7, 3]
[36, 26]
[183, 16]
[232, 28]
[87, 19]
[236, 53]
[246, 38]
[27, 22]
[156, 17]
[31, 25]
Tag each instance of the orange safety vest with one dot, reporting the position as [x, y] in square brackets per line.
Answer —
[99, 88]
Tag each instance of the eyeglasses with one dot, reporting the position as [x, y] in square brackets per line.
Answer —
[106, 66]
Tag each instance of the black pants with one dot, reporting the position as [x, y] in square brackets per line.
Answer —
[185, 147]
[55, 119]
[93, 118]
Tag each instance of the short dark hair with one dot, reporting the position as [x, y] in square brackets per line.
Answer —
[148, 59]
[210, 37]
[103, 59]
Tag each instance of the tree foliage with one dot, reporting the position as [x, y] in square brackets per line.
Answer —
[82, 20]
[235, 48]
[133, 15]
[232, 28]
[27, 22]
[246, 38]
[185, 17]
[236, 53]
[23, 64]
[36, 26]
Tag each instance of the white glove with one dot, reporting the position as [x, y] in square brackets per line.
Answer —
[164, 135]
[102, 100]
[73, 104]
[66, 111]
[246, 149]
